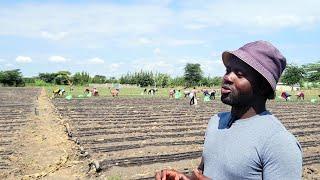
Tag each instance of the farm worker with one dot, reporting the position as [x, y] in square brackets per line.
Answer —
[95, 92]
[213, 94]
[192, 96]
[56, 92]
[285, 95]
[152, 91]
[171, 93]
[300, 95]
[114, 92]
[248, 142]
[86, 91]
[62, 91]
[177, 95]
[205, 92]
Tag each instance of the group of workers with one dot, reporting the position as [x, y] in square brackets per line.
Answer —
[192, 94]
[286, 96]
[93, 92]
[151, 91]
[87, 92]
[209, 94]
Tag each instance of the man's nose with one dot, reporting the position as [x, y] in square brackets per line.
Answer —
[228, 78]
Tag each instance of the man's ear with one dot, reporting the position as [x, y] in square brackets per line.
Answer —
[261, 87]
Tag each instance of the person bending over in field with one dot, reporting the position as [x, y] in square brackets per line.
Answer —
[213, 94]
[152, 91]
[95, 92]
[171, 93]
[86, 91]
[58, 92]
[300, 95]
[114, 92]
[248, 142]
[285, 95]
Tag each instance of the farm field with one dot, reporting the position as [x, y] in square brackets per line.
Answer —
[132, 137]
[16, 106]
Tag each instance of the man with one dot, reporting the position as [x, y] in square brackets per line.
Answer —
[95, 92]
[300, 95]
[248, 142]
[213, 94]
[171, 93]
[285, 95]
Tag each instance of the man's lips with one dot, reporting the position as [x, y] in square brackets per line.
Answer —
[225, 90]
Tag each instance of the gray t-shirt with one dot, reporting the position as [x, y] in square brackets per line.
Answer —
[258, 147]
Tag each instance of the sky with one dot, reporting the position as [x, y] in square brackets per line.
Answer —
[112, 38]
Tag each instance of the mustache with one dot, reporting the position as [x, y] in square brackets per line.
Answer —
[226, 86]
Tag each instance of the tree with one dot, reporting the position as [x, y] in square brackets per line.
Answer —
[292, 75]
[62, 78]
[47, 77]
[161, 79]
[217, 81]
[81, 78]
[312, 72]
[192, 74]
[11, 78]
[177, 81]
[145, 79]
[100, 79]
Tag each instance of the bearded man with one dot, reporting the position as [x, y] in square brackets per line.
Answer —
[248, 142]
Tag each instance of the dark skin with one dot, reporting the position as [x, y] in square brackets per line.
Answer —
[246, 91]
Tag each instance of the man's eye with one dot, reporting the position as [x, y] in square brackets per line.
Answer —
[240, 74]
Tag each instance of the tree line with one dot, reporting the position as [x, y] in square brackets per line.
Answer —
[193, 76]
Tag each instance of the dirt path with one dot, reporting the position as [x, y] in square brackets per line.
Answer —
[44, 149]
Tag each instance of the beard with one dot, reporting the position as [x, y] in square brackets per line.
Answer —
[236, 98]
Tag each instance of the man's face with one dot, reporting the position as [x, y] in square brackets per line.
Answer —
[237, 83]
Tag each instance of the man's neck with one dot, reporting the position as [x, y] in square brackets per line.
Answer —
[243, 112]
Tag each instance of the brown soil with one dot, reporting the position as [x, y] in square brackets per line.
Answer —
[43, 149]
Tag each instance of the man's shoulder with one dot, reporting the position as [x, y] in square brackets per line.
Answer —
[221, 119]
[220, 115]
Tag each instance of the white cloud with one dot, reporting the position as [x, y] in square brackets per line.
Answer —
[95, 60]
[58, 59]
[144, 41]
[23, 59]
[175, 67]
[195, 26]
[143, 22]
[185, 42]
[7, 66]
[116, 67]
[53, 36]
[116, 20]
[111, 20]
[157, 51]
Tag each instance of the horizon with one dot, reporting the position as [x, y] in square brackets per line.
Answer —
[115, 37]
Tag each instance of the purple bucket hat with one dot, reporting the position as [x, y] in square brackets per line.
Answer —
[261, 56]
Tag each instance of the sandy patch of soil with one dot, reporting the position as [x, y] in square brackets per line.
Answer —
[43, 148]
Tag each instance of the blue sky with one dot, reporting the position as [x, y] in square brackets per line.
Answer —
[114, 37]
